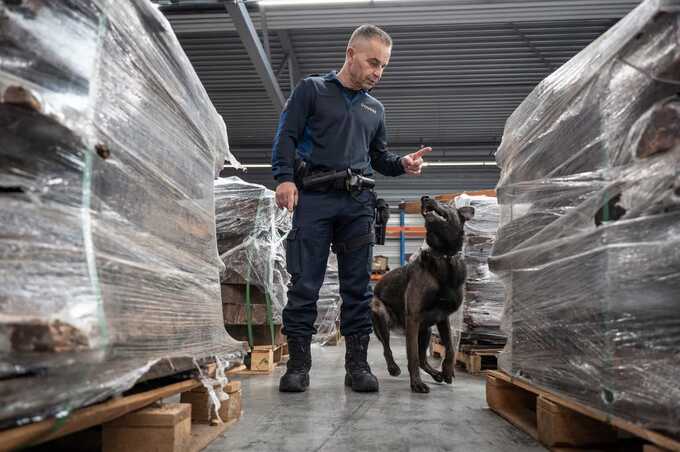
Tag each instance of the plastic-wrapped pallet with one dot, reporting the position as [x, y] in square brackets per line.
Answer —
[109, 149]
[589, 243]
[484, 295]
[251, 230]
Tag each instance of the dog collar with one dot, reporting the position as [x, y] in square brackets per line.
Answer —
[446, 256]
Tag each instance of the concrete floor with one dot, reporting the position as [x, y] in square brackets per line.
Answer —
[329, 417]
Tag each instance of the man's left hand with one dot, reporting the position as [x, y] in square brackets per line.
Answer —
[413, 162]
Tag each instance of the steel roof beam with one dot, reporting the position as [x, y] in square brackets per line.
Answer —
[548, 65]
[293, 66]
[246, 31]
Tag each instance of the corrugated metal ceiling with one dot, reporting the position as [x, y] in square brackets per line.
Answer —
[420, 13]
[458, 70]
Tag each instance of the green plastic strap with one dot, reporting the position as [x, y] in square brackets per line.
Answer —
[88, 245]
[249, 314]
[270, 319]
[86, 203]
[608, 359]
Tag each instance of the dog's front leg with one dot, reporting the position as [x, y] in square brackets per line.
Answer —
[414, 301]
[412, 328]
[447, 366]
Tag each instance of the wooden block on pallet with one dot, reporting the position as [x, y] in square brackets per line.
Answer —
[476, 361]
[233, 405]
[231, 408]
[474, 365]
[203, 407]
[164, 428]
[236, 370]
[472, 362]
[232, 386]
[438, 350]
[262, 358]
[278, 350]
[561, 426]
[333, 339]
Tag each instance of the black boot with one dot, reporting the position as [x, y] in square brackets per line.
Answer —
[296, 378]
[358, 373]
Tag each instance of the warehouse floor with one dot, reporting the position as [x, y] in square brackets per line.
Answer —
[329, 417]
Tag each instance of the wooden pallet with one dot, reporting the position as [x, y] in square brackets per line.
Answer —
[336, 338]
[477, 360]
[103, 413]
[473, 360]
[563, 424]
[437, 349]
[263, 360]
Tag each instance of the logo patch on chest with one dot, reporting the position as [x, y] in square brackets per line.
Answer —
[366, 107]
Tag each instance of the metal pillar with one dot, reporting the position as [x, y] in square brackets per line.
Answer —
[402, 234]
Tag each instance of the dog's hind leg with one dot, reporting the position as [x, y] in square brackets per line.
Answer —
[381, 327]
[424, 336]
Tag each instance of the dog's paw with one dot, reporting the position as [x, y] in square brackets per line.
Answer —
[394, 370]
[448, 375]
[420, 387]
[438, 377]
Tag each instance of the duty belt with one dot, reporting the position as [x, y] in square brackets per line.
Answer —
[343, 180]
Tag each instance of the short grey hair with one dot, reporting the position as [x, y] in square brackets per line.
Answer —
[368, 31]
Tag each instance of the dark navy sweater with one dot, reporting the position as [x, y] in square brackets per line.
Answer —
[332, 127]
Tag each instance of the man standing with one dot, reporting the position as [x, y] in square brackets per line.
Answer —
[331, 123]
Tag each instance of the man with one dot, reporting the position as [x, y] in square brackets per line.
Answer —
[331, 123]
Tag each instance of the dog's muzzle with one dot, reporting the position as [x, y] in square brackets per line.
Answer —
[428, 208]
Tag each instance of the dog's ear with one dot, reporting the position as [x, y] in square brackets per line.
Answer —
[466, 213]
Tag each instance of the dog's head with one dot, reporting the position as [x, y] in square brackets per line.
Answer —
[444, 225]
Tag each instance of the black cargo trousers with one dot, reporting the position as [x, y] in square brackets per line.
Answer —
[345, 221]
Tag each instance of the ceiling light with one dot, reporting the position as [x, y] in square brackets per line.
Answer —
[307, 2]
[251, 165]
[487, 163]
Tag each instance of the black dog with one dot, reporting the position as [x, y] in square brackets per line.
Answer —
[424, 293]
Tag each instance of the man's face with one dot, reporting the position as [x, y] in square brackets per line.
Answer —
[367, 61]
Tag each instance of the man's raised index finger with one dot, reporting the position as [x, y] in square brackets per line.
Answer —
[419, 153]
